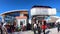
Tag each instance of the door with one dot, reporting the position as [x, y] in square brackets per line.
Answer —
[23, 21]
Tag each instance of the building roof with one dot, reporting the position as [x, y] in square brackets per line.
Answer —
[41, 6]
[57, 17]
[12, 11]
[57, 20]
[53, 19]
[21, 17]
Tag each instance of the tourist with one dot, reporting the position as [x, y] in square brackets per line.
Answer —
[4, 28]
[1, 28]
[35, 27]
[39, 28]
[8, 29]
[58, 26]
[44, 26]
[21, 24]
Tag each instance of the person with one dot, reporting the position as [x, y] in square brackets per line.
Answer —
[21, 24]
[4, 28]
[35, 27]
[39, 28]
[44, 26]
[8, 28]
[58, 26]
[14, 26]
[23, 28]
[1, 28]
[28, 26]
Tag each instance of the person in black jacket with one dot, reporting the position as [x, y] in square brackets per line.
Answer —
[28, 26]
[58, 26]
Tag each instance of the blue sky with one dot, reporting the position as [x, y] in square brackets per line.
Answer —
[7, 5]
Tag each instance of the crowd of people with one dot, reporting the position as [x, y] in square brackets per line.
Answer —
[8, 29]
[38, 27]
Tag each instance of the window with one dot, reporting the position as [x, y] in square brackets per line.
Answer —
[22, 21]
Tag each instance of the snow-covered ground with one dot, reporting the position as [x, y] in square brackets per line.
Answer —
[53, 31]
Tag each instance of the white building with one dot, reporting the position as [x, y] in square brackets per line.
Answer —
[53, 19]
[42, 12]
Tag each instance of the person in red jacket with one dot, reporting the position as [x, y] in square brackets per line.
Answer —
[44, 26]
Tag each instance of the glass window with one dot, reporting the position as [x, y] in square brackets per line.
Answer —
[10, 17]
[14, 14]
[22, 21]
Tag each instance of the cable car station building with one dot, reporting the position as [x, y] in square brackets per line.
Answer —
[39, 13]
[15, 15]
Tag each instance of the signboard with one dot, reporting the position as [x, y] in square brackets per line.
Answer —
[43, 11]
